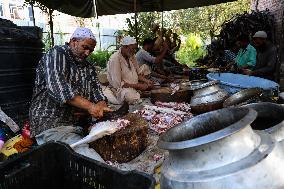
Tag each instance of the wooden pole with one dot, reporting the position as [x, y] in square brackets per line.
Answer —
[33, 13]
[162, 19]
[50, 11]
[97, 24]
[135, 20]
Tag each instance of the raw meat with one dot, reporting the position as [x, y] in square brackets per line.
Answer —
[175, 105]
[163, 118]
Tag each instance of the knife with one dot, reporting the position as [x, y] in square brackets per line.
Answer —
[8, 121]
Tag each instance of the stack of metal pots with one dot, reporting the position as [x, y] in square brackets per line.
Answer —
[220, 150]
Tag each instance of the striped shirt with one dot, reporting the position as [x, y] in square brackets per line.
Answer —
[60, 77]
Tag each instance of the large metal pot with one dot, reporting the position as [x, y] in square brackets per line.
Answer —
[218, 150]
[164, 94]
[243, 97]
[207, 97]
[270, 118]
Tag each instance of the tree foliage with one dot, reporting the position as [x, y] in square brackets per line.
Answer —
[196, 24]
[145, 22]
[203, 20]
[191, 50]
[100, 58]
[207, 20]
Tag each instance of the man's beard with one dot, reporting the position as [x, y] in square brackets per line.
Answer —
[77, 56]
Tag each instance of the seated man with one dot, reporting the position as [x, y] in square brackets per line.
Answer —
[266, 59]
[124, 75]
[246, 57]
[145, 58]
[65, 82]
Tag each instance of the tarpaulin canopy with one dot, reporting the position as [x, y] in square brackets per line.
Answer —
[79, 8]
[85, 8]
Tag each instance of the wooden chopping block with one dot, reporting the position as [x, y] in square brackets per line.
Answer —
[126, 144]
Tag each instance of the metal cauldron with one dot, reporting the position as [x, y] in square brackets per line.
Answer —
[207, 97]
[218, 150]
[269, 119]
[164, 94]
[243, 97]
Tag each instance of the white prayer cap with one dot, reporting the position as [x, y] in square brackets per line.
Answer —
[128, 41]
[260, 34]
[83, 33]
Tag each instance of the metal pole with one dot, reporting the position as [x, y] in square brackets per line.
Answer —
[50, 11]
[162, 19]
[162, 9]
[33, 13]
[135, 20]
[95, 8]
[97, 24]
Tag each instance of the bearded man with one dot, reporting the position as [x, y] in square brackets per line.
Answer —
[66, 82]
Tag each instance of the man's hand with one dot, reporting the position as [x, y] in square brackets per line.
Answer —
[150, 86]
[142, 86]
[97, 110]
[247, 72]
[149, 82]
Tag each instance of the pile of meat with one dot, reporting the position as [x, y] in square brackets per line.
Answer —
[165, 115]
[174, 105]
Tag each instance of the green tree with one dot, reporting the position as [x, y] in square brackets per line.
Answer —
[207, 20]
[100, 58]
[191, 50]
[145, 22]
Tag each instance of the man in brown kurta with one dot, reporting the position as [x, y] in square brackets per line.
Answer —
[125, 77]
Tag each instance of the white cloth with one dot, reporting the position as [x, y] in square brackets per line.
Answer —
[128, 41]
[68, 135]
[83, 33]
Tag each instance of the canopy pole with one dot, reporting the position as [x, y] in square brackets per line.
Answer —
[135, 20]
[162, 19]
[97, 24]
[95, 8]
[50, 12]
[162, 7]
[33, 13]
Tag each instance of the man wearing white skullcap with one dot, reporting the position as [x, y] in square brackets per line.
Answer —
[266, 58]
[124, 75]
[65, 84]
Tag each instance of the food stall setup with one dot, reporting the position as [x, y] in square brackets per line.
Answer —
[206, 128]
[194, 117]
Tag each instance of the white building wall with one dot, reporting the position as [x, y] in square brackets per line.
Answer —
[64, 25]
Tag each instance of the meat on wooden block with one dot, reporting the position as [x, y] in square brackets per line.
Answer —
[125, 144]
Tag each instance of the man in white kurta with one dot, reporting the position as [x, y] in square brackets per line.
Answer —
[124, 75]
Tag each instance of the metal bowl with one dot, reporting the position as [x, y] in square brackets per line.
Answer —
[242, 97]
